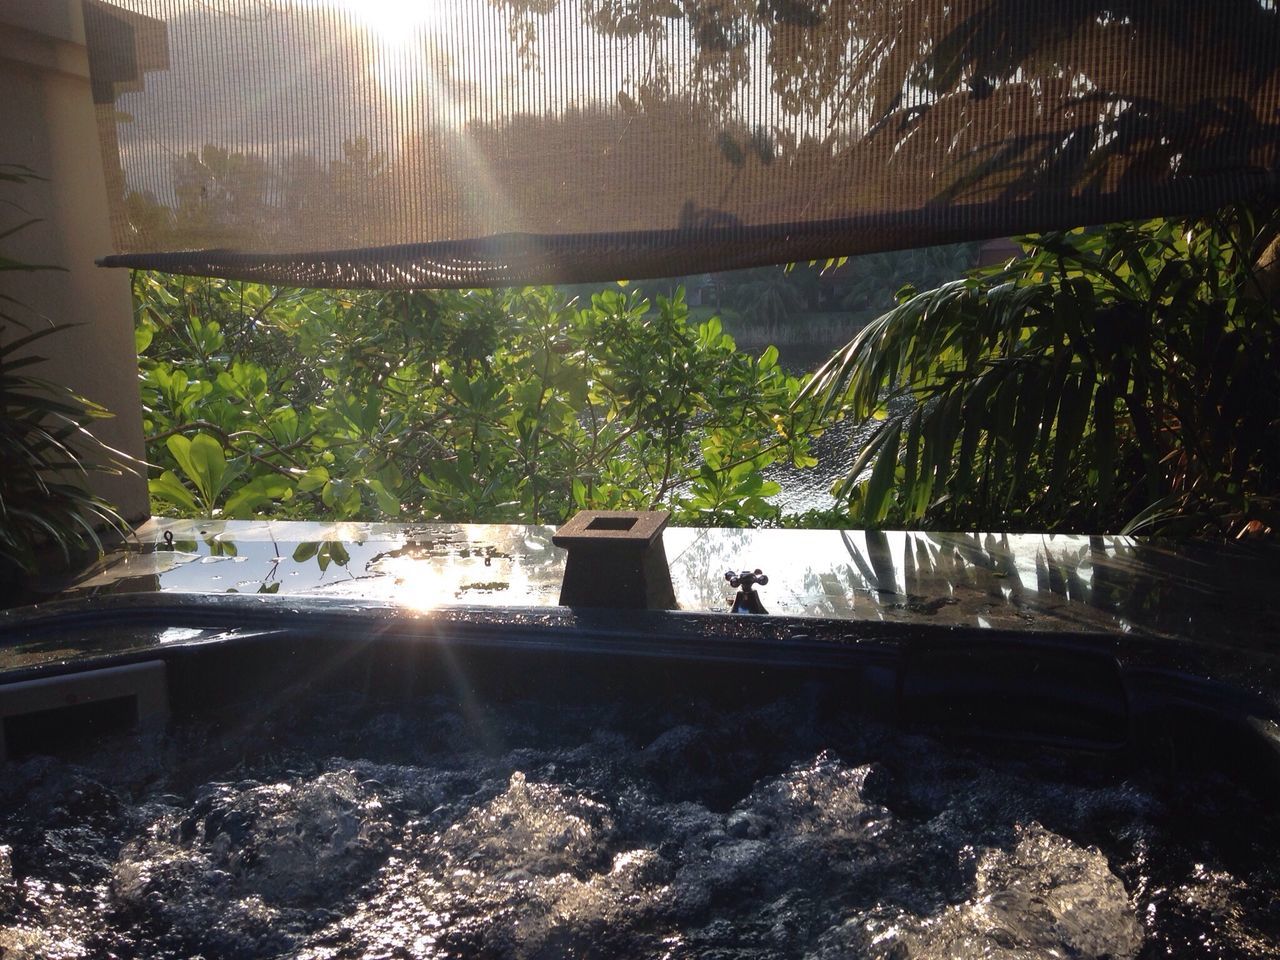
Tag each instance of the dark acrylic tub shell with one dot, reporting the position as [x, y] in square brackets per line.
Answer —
[1131, 701]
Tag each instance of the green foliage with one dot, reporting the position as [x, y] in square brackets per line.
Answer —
[43, 502]
[1118, 378]
[812, 304]
[769, 297]
[45, 449]
[869, 282]
[492, 406]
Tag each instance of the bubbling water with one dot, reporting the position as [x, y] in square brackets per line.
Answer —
[538, 831]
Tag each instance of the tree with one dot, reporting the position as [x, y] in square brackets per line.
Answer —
[871, 281]
[768, 296]
[1119, 378]
[478, 405]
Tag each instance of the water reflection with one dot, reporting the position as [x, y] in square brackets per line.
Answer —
[420, 567]
[999, 580]
[1021, 581]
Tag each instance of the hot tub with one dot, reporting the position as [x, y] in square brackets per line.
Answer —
[344, 776]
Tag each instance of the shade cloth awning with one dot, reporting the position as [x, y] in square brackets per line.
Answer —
[455, 143]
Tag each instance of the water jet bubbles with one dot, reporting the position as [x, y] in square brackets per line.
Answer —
[1045, 897]
[539, 828]
[21, 943]
[408, 828]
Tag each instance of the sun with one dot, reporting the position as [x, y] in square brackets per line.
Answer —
[397, 23]
[404, 48]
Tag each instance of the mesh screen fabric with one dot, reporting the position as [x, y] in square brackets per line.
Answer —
[457, 143]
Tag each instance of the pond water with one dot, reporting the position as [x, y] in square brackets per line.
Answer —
[810, 488]
[439, 828]
[836, 449]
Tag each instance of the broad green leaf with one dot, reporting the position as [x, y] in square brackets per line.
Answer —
[169, 488]
[180, 447]
[251, 497]
[386, 502]
[209, 464]
[313, 479]
[284, 424]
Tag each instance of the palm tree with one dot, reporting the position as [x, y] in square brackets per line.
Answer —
[771, 298]
[1118, 378]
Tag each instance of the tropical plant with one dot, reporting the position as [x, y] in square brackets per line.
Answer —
[46, 450]
[498, 406]
[1119, 378]
[768, 296]
[870, 281]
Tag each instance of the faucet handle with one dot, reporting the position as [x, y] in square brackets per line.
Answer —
[746, 579]
[747, 600]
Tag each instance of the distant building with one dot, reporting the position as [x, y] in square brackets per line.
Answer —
[703, 291]
[998, 251]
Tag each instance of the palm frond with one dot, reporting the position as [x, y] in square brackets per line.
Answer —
[1116, 378]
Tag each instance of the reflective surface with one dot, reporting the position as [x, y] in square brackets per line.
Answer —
[1016, 581]
[1198, 591]
[418, 566]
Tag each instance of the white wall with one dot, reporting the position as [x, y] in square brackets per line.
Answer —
[47, 123]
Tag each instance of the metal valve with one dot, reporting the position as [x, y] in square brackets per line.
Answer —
[747, 600]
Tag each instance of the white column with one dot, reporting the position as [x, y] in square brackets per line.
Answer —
[47, 122]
